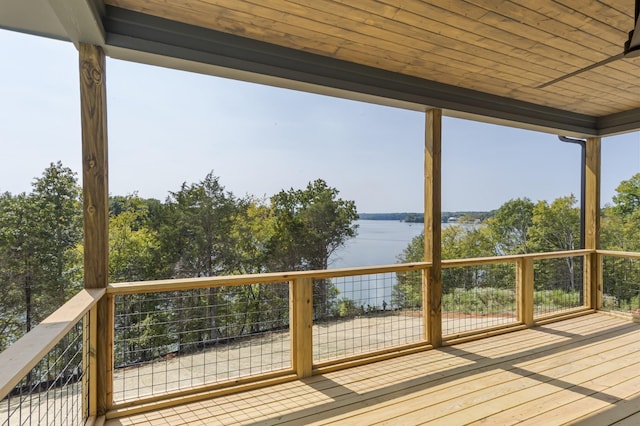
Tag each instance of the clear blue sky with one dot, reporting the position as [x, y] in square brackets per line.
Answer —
[168, 127]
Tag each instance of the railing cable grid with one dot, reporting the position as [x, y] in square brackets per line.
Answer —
[171, 341]
[52, 392]
[621, 284]
[558, 285]
[478, 297]
[366, 313]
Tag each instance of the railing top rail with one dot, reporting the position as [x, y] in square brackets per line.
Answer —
[18, 359]
[278, 277]
[452, 263]
[267, 278]
[614, 253]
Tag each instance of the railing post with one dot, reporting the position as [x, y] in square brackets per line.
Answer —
[109, 301]
[593, 285]
[301, 313]
[524, 290]
[432, 296]
[593, 280]
[90, 384]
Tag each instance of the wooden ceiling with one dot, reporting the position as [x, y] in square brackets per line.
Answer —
[477, 57]
[507, 48]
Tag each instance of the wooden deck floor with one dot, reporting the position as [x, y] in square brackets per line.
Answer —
[584, 370]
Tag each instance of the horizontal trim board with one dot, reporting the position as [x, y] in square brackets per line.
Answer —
[622, 122]
[150, 34]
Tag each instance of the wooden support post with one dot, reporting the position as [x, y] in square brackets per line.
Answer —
[95, 195]
[524, 290]
[593, 283]
[301, 313]
[432, 226]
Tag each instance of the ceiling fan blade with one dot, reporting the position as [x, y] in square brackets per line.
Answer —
[634, 36]
[580, 71]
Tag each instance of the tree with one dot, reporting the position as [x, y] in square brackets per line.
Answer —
[197, 232]
[132, 244]
[56, 198]
[458, 242]
[627, 199]
[556, 227]
[310, 225]
[39, 261]
[620, 227]
[18, 267]
[510, 226]
[197, 241]
[620, 230]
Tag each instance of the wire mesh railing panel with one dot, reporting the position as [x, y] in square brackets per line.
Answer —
[621, 284]
[478, 297]
[366, 313]
[169, 341]
[557, 285]
[52, 392]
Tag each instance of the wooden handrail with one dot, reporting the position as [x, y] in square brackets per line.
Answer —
[614, 253]
[454, 263]
[267, 278]
[18, 359]
[279, 277]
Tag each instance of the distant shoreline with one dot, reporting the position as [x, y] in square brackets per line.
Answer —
[414, 217]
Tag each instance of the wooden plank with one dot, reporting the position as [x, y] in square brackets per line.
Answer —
[563, 395]
[461, 401]
[444, 54]
[432, 299]
[18, 359]
[495, 365]
[301, 313]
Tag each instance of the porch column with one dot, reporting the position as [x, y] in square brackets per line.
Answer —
[432, 282]
[95, 199]
[593, 290]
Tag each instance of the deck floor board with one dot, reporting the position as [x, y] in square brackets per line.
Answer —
[584, 370]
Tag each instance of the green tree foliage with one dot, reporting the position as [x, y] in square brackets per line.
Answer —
[518, 226]
[620, 230]
[133, 245]
[309, 226]
[556, 226]
[510, 225]
[627, 199]
[620, 227]
[40, 264]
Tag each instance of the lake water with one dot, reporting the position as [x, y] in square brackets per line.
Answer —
[379, 242]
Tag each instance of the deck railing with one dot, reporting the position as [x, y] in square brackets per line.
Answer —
[620, 273]
[177, 340]
[45, 376]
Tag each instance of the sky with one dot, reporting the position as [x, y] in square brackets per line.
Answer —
[168, 127]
